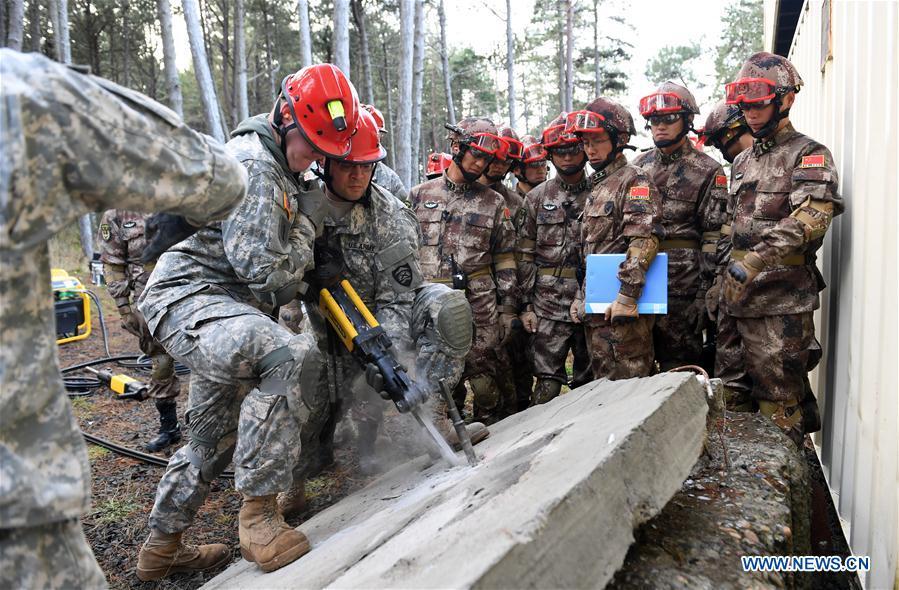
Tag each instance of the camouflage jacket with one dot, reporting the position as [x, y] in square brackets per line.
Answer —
[386, 178]
[768, 183]
[623, 205]
[377, 240]
[694, 198]
[74, 143]
[470, 225]
[514, 203]
[263, 246]
[121, 243]
[550, 240]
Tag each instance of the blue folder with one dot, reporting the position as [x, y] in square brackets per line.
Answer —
[603, 284]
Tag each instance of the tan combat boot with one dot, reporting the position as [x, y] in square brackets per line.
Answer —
[293, 502]
[264, 536]
[477, 431]
[163, 554]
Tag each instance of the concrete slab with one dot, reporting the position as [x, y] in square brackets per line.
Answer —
[553, 503]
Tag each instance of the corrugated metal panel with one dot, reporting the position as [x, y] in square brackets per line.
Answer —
[850, 103]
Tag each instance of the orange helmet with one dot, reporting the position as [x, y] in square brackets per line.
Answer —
[379, 117]
[328, 104]
[366, 148]
[437, 163]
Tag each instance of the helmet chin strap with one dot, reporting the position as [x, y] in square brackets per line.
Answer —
[771, 126]
[670, 142]
[469, 177]
[494, 179]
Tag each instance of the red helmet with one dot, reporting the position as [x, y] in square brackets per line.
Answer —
[514, 147]
[437, 163]
[379, 117]
[327, 105]
[555, 135]
[367, 147]
[533, 150]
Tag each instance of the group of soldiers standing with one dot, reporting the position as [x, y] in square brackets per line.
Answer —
[476, 285]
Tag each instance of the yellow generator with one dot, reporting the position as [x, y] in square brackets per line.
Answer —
[73, 307]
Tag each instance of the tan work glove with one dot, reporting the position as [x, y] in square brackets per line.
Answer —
[623, 310]
[505, 326]
[577, 311]
[529, 321]
[741, 273]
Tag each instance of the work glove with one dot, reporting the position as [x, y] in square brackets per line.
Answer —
[712, 297]
[623, 310]
[375, 380]
[506, 321]
[164, 230]
[130, 321]
[739, 274]
[577, 311]
[529, 321]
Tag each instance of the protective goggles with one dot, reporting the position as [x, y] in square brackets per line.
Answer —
[487, 144]
[585, 122]
[555, 137]
[533, 154]
[514, 148]
[566, 149]
[659, 103]
[671, 119]
[757, 91]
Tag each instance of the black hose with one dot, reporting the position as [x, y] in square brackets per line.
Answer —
[135, 454]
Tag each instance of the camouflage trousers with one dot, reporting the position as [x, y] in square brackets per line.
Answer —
[677, 336]
[250, 380]
[54, 555]
[620, 351]
[767, 358]
[551, 343]
[164, 383]
[515, 373]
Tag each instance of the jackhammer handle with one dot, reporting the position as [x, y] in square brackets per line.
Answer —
[458, 424]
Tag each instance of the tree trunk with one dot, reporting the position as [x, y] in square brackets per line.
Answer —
[524, 101]
[560, 13]
[404, 114]
[269, 67]
[201, 69]
[510, 65]
[418, 76]
[34, 11]
[16, 24]
[305, 35]
[597, 75]
[569, 55]
[368, 88]
[341, 38]
[172, 81]
[64, 44]
[444, 58]
[243, 107]
[126, 45]
[391, 137]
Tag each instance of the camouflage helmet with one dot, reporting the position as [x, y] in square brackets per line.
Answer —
[470, 126]
[533, 150]
[723, 117]
[555, 135]
[763, 77]
[668, 98]
[613, 117]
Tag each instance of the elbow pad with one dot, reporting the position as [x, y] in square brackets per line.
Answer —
[815, 217]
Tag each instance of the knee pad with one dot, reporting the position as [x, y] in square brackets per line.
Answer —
[444, 316]
[486, 394]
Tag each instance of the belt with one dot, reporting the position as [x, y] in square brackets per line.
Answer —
[484, 271]
[672, 244]
[566, 272]
[791, 260]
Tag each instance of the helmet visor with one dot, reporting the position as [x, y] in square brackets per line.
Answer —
[584, 122]
[749, 91]
[514, 148]
[660, 103]
[533, 153]
[556, 137]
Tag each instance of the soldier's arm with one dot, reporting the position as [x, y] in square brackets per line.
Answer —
[713, 213]
[267, 242]
[814, 201]
[641, 227]
[504, 265]
[114, 253]
[527, 252]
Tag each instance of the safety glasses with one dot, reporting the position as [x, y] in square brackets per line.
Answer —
[584, 122]
[568, 149]
[750, 91]
[555, 137]
[656, 120]
[487, 143]
[660, 102]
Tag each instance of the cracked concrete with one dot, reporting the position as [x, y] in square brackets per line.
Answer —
[553, 503]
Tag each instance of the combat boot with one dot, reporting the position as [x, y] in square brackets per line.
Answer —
[476, 432]
[787, 416]
[546, 390]
[293, 502]
[169, 429]
[264, 536]
[163, 554]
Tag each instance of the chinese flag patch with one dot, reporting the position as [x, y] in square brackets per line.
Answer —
[720, 181]
[506, 213]
[639, 192]
[812, 161]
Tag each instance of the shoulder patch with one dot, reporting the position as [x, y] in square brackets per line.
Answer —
[720, 181]
[549, 206]
[105, 232]
[403, 275]
[431, 204]
[506, 213]
[816, 161]
[639, 193]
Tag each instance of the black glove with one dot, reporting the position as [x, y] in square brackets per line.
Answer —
[375, 380]
[164, 230]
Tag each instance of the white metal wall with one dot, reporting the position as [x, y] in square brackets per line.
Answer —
[850, 103]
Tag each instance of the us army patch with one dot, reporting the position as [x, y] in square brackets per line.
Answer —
[639, 193]
[812, 161]
[720, 181]
[105, 233]
[549, 206]
[431, 204]
[403, 275]
[129, 224]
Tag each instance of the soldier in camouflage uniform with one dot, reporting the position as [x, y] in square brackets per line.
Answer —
[532, 168]
[122, 242]
[515, 380]
[623, 214]
[468, 242]
[783, 196]
[550, 253]
[211, 301]
[71, 143]
[694, 192]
